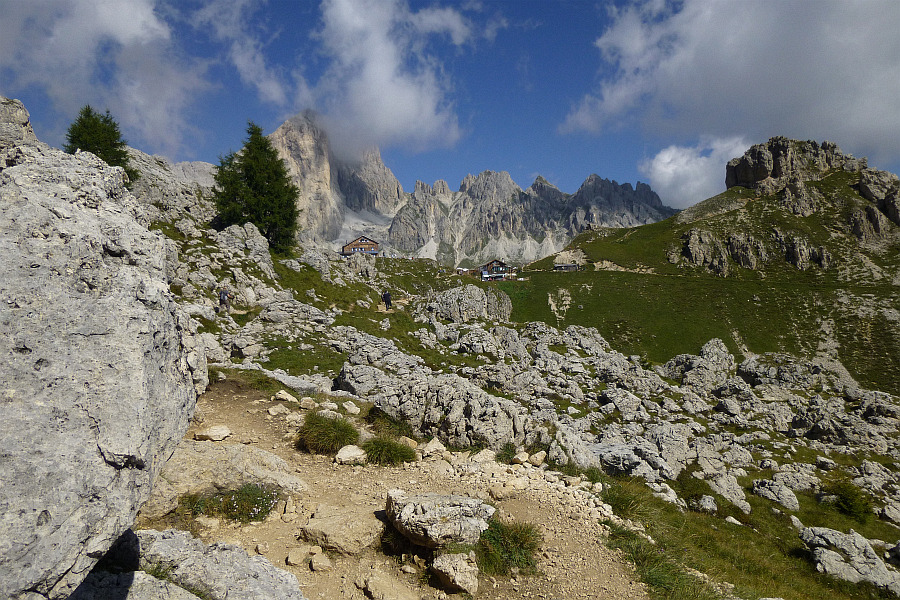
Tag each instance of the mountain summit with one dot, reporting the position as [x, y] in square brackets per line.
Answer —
[488, 217]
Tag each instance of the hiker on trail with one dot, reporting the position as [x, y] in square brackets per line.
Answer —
[386, 298]
[225, 300]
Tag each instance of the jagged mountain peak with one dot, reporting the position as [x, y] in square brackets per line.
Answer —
[488, 180]
[488, 217]
[768, 167]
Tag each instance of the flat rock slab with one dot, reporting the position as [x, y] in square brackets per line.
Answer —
[345, 529]
[200, 467]
[220, 571]
[434, 520]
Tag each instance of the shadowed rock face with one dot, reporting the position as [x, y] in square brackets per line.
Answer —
[97, 367]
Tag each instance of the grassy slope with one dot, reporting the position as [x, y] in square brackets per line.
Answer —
[676, 308]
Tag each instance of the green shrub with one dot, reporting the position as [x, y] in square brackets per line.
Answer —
[385, 425]
[323, 435]
[508, 545]
[385, 451]
[506, 453]
[849, 498]
[250, 502]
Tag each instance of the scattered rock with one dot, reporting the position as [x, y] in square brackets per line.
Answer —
[434, 520]
[346, 529]
[457, 572]
[216, 433]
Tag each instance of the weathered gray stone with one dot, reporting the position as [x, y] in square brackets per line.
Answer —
[220, 571]
[98, 382]
[133, 585]
[345, 529]
[457, 572]
[777, 492]
[434, 520]
[470, 303]
[849, 556]
[15, 124]
[379, 585]
[350, 455]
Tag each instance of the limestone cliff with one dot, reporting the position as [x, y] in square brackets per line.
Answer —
[98, 370]
[488, 217]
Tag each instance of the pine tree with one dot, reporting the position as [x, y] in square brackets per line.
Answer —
[99, 134]
[253, 186]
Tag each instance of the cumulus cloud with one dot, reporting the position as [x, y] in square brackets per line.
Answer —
[383, 88]
[685, 175]
[106, 53]
[755, 69]
[229, 22]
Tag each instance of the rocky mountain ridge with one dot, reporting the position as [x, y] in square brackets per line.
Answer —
[488, 217]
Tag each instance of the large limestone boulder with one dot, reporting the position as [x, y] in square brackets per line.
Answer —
[435, 520]
[850, 557]
[470, 303]
[96, 365]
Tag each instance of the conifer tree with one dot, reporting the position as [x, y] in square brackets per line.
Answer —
[253, 186]
[99, 134]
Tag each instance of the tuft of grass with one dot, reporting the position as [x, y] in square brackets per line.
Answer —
[508, 545]
[323, 435]
[250, 502]
[385, 425]
[627, 499]
[506, 453]
[385, 451]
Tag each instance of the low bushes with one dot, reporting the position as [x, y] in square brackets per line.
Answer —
[849, 498]
[323, 435]
[385, 451]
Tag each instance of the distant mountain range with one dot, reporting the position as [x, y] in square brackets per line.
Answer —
[488, 217]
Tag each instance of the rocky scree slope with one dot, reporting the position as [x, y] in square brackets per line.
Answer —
[100, 369]
[770, 431]
[488, 217]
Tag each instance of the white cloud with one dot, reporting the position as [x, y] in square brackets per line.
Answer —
[229, 22]
[383, 87]
[824, 70]
[106, 53]
[683, 176]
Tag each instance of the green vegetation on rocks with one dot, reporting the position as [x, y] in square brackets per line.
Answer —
[325, 435]
[250, 502]
[99, 134]
[253, 186]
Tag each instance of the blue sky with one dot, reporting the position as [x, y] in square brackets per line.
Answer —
[653, 91]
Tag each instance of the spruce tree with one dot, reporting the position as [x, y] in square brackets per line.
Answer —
[253, 186]
[99, 134]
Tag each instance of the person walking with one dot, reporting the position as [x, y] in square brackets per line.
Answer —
[386, 298]
[225, 300]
